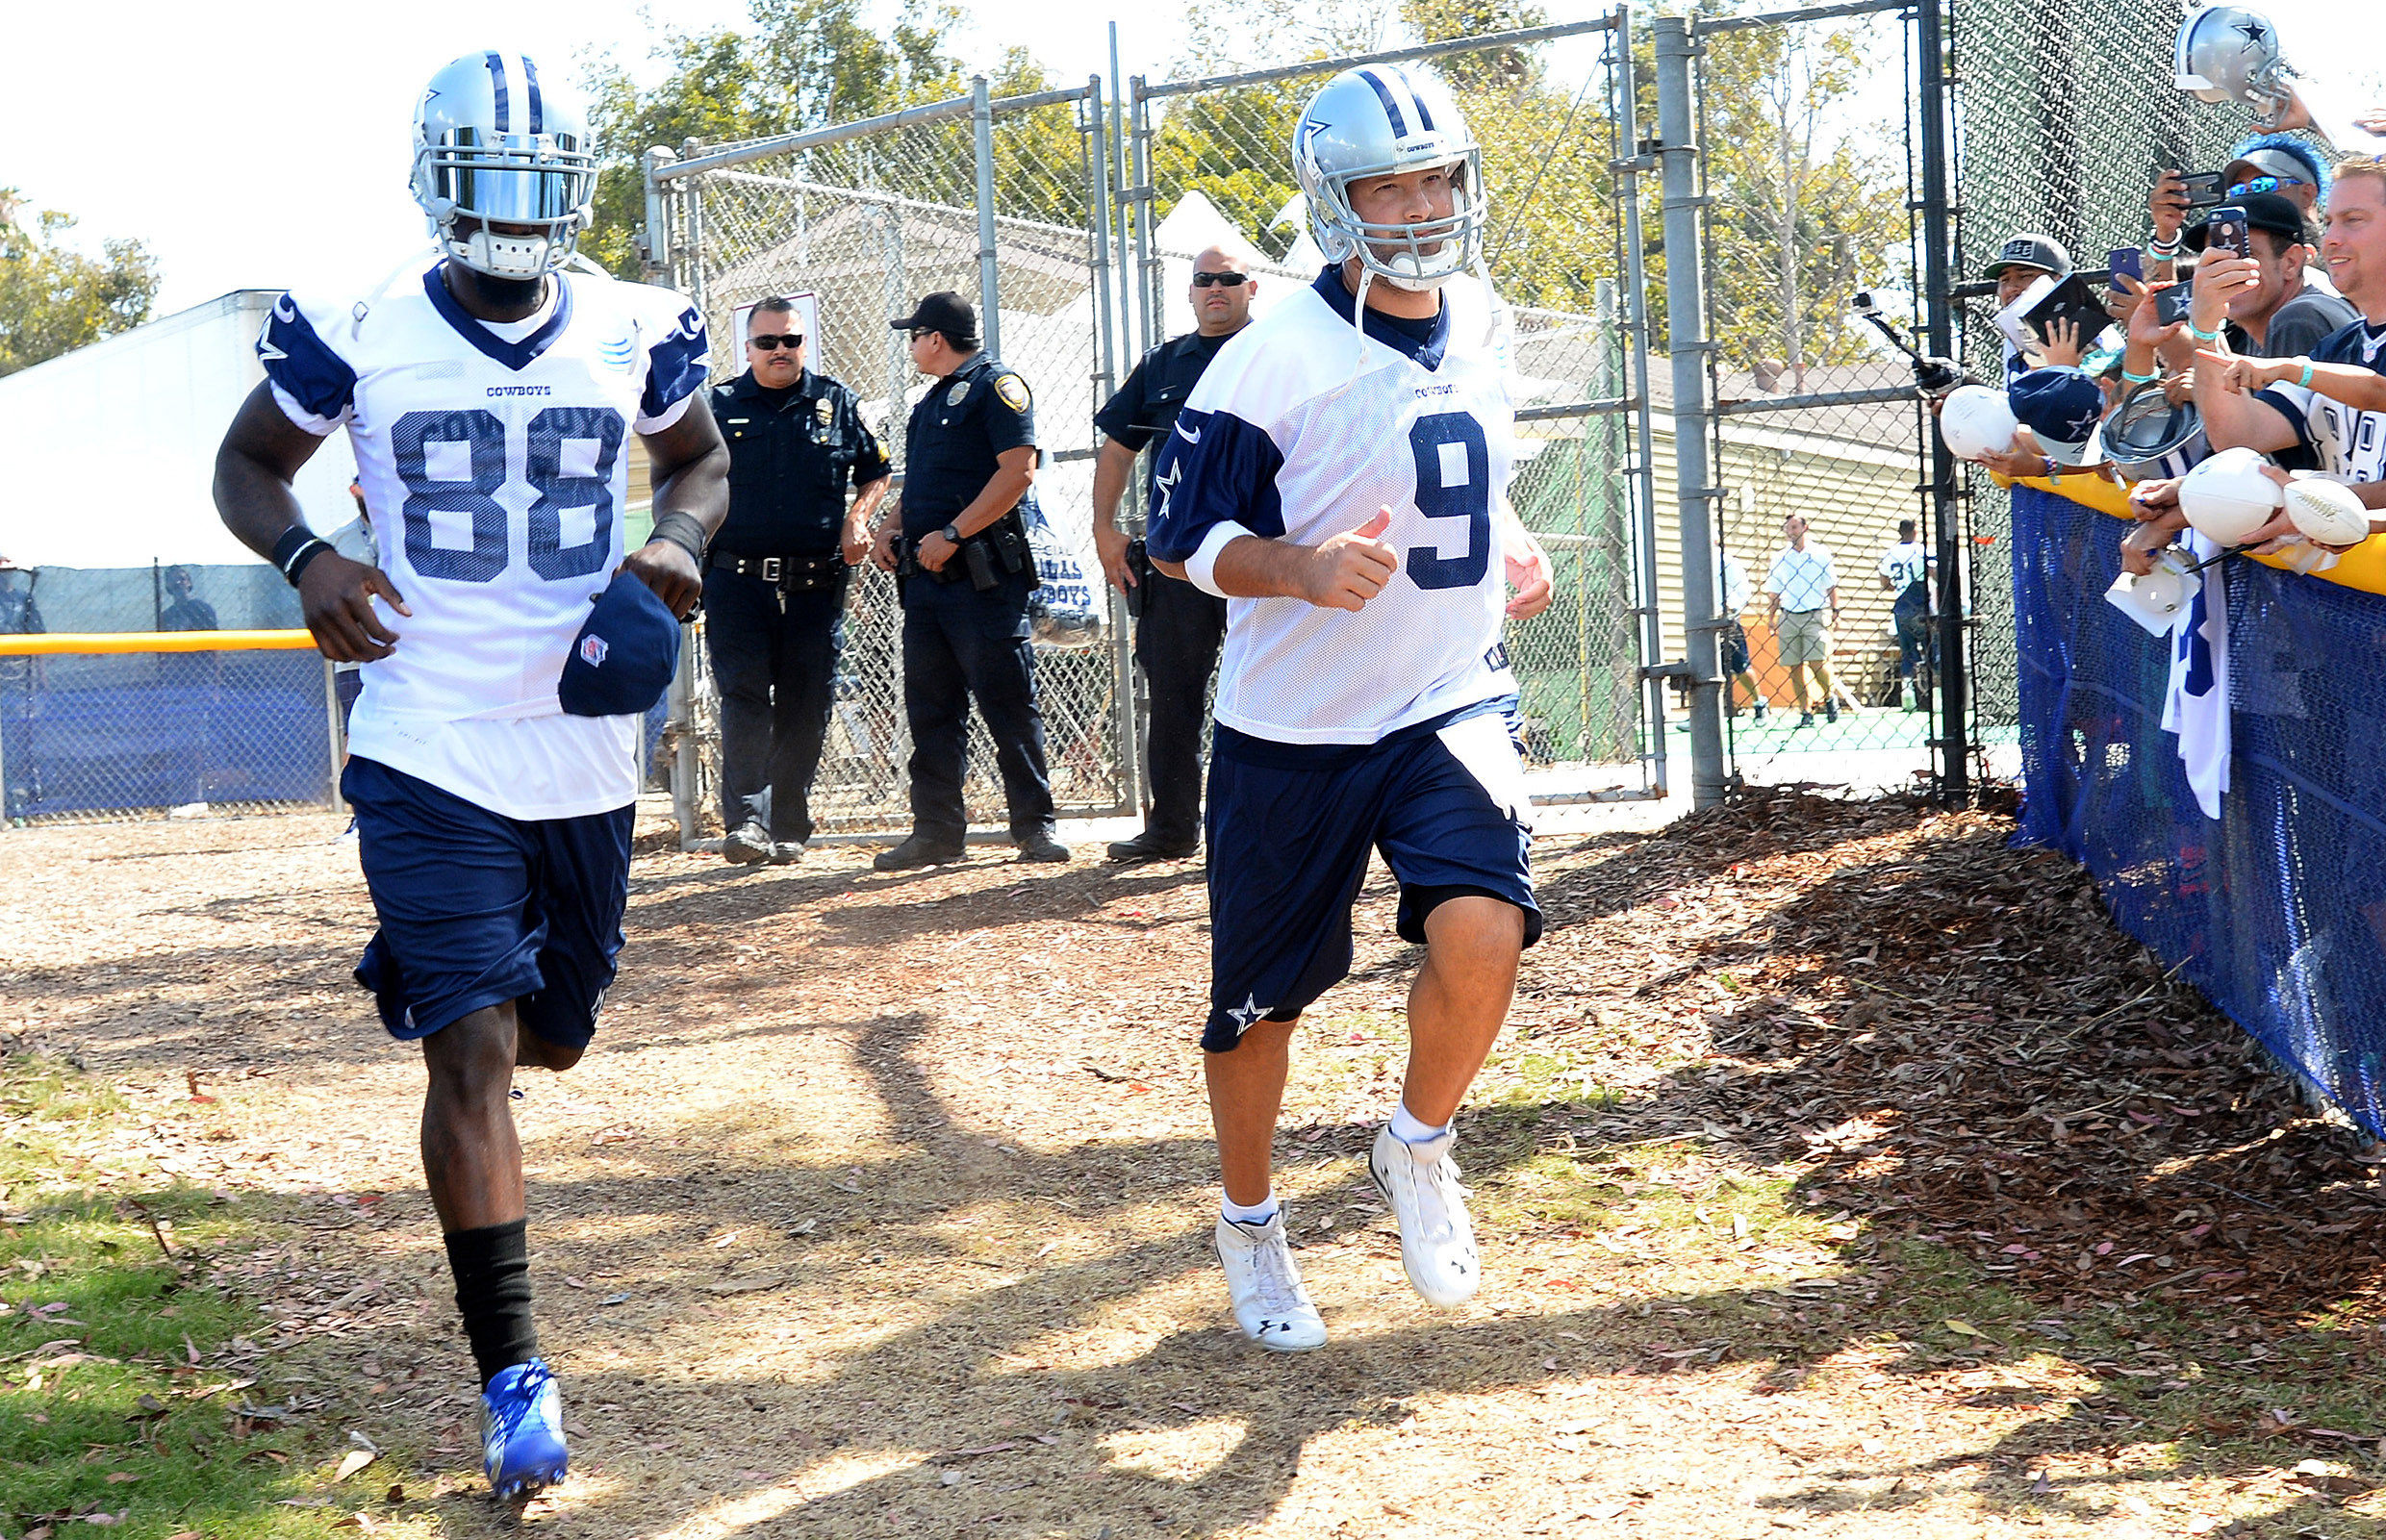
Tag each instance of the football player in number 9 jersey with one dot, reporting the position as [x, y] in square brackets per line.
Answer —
[1339, 476]
[489, 395]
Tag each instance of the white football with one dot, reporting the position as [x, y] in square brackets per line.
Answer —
[2327, 512]
[2226, 497]
[1975, 421]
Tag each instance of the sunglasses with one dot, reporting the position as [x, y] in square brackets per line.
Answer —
[772, 344]
[2265, 184]
[1222, 280]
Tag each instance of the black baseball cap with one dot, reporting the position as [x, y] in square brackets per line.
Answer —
[2264, 210]
[2030, 249]
[943, 311]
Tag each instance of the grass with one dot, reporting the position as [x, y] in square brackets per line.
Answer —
[105, 1417]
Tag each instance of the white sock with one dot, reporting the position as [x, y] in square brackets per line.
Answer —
[1411, 1129]
[1258, 1213]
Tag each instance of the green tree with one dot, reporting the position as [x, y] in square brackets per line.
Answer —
[1805, 210]
[54, 299]
[799, 64]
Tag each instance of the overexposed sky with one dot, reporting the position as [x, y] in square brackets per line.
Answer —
[256, 144]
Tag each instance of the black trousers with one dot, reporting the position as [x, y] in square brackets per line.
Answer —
[1176, 639]
[960, 645]
[778, 676]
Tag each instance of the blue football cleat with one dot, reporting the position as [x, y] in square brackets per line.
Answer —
[521, 1431]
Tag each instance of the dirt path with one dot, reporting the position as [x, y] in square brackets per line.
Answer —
[881, 1205]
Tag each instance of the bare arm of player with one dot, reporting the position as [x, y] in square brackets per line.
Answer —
[1014, 474]
[1528, 566]
[261, 454]
[1340, 573]
[692, 477]
[1112, 469]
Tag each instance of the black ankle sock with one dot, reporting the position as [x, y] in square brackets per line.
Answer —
[492, 1266]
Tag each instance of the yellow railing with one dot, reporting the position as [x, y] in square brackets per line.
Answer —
[102, 641]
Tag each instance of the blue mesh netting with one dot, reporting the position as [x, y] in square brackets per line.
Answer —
[89, 735]
[2277, 911]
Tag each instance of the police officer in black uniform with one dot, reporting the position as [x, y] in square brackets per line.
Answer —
[775, 579]
[1178, 627]
[958, 547]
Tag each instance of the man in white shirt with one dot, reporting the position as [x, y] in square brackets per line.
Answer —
[1906, 569]
[1803, 588]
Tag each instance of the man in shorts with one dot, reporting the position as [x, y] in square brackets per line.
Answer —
[1339, 477]
[1803, 590]
[509, 641]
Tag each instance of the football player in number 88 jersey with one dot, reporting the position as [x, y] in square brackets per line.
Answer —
[1341, 476]
[489, 397]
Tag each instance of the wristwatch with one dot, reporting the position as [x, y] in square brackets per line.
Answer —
[951, 532]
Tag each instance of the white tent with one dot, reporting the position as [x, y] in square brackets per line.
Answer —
[108, 452]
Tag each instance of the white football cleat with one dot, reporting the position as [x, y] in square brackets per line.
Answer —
[1261, 1279]
[1437, 1237]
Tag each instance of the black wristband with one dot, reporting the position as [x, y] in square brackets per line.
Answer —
[683, 531]
[298, 548]
[287, 546]
[305, 559]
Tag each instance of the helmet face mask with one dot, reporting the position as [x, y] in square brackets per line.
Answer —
[1390, 121]
[502, 167]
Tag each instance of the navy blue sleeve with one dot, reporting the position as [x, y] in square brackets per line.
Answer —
[303, 365]
[2297, 412]
[676, 366]
[1214, 469]
[1121, 418]
[1009, 412]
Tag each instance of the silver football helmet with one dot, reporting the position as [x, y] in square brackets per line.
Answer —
[1384, 121]
[2148, 437]
[495, 146]
[2231, 54]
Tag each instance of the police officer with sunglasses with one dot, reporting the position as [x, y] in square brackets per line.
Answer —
[775, 576]
[1178, 627]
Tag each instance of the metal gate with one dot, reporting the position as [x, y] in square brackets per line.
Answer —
[1002, 201]
[1795, 399]
[1554, 111]
[1074, 239]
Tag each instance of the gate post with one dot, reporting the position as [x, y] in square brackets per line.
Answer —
[1954, 741]
[1693, 411]
[989, 285]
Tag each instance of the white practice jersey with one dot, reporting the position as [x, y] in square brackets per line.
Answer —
[494, 465]
[2345, 442]
[1300, 429]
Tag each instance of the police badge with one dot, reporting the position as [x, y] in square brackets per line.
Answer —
[958, 395]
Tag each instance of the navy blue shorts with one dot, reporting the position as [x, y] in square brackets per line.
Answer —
[477, 908]
[1290, 826]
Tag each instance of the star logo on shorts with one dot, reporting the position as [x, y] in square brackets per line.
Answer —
[1248, 1012]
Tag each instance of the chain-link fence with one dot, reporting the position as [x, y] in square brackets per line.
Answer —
[1554, 111]
[2066, 119]
[101, 728]
[982, 198]
[1823, 566]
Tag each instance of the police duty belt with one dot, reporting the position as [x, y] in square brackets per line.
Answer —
[792, 574]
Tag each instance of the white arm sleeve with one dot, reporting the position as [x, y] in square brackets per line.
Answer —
[1202, 567]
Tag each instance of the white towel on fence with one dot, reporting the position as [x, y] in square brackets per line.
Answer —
[2197, 705]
